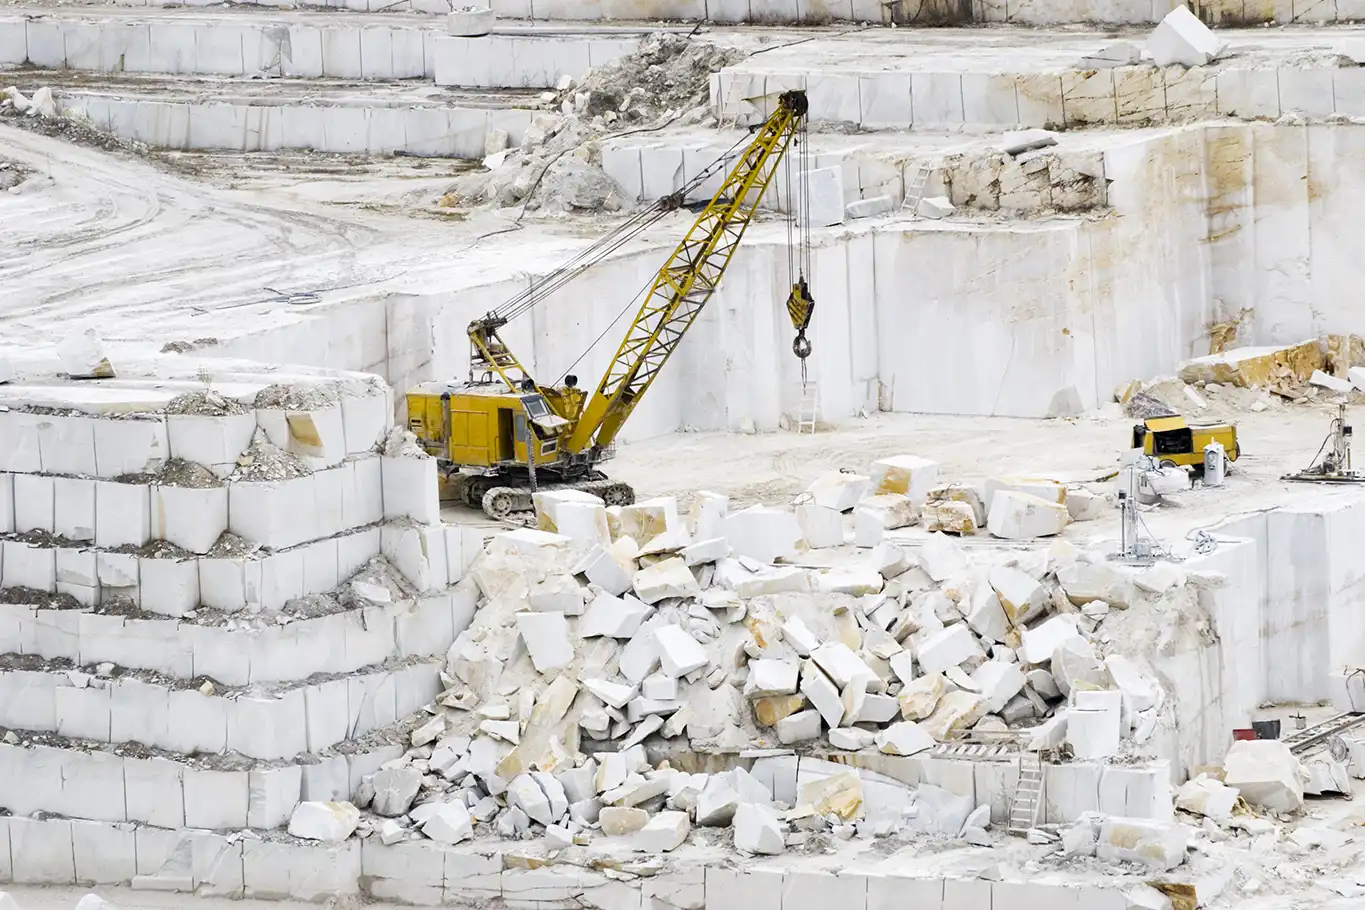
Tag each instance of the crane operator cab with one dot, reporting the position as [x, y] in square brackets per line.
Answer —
[546, 427]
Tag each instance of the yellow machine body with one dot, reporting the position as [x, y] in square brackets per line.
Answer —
[484, 425]
[1172, 439]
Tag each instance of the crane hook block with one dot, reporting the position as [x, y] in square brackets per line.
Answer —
[800, 307]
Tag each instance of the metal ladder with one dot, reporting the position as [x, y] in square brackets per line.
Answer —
[809, 410]
[1028, 795]
[915, 191]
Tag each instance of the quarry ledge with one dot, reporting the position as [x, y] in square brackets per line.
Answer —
[266, 864]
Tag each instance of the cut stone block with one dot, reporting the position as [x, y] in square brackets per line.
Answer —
[779, 580]
[942, 557]
[825, 197]
[956, 712]
[852, 739]
[948, 648]
[1042, 487]
[935, 207]
[1181, 39]
[763, 533]
[704, 551]
[771, 677]
[876, 515]
[855, 581]
[547, 639]
[823, 693]
[904, 738]
[557, 594]
[1022, 516]
[1022, 597]
[870, 207]
[82, 356]
[904, 475]
[949, 517]
[621, 820]
[707, 514]
[646, 520]
[1074, 664]
[670, 578]
[985, 616]
[548, 502]
[1092, 733]
[613, 617]
[838, 491]
[1160, 845]
[189, 517]
[1139, 692]
[601, 568]
[843, 666]
[1038, 644]
[768, 711]
[820, 526]
[663, 833]
[919, 697]
[1086, 582]
[999, 682]
[333, 822]
[679, 652]
[757, 830]
[1207, 796]
[449, 823]
[1266, 773]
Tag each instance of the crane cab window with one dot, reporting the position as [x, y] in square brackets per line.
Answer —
[535, 406]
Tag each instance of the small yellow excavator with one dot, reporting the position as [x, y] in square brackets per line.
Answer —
[507, 434]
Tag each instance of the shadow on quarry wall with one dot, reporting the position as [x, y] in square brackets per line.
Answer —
[928, 12]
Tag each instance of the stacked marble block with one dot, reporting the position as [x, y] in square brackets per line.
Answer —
[168, 696]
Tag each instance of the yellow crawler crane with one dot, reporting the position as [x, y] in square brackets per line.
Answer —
[505, 435]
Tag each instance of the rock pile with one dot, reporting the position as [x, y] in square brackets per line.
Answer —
[558, 167]
[604, 629]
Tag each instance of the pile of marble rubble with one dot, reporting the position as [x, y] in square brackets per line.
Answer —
[606, 629]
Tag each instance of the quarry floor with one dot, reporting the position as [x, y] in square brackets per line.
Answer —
[767, 468]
